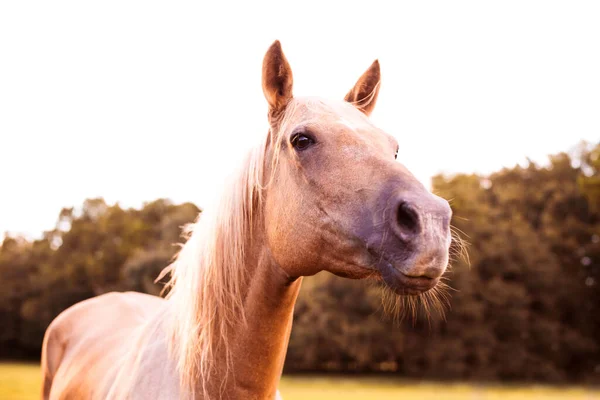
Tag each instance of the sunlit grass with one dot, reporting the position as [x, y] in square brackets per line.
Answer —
[318, 388]
[23, 381]
[19, 381]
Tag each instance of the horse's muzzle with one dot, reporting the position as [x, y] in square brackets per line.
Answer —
[414, 247]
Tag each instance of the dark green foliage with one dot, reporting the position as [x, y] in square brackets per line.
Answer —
[91, 251]
[527, 307]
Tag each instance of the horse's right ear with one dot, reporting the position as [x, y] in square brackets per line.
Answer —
[364, 93]
[277, 80]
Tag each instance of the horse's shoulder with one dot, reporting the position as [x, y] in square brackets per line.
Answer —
[106, 307]
[127, 299]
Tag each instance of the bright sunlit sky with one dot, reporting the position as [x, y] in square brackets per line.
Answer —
[136, 100]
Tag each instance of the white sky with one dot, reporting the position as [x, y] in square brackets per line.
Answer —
[136, 100]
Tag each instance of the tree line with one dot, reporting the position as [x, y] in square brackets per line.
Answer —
[524, 305]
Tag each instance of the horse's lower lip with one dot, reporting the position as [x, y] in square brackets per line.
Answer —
[417, 284]
[404, 284]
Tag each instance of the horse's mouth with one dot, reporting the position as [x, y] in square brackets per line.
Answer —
[401, 283]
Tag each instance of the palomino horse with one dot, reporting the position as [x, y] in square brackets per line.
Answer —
[321, 191]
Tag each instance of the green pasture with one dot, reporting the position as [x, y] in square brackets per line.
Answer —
[22, 382]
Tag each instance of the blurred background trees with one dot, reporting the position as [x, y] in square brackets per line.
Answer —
[526, 308]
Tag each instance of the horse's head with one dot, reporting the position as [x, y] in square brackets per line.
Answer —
[339, 201]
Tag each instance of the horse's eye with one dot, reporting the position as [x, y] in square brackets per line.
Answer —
[301, 141]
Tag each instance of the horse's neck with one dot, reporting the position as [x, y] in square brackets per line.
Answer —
[259, 347]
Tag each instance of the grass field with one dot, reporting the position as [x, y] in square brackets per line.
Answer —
[22, 382]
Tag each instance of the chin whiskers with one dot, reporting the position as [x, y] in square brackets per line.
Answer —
[432, 303]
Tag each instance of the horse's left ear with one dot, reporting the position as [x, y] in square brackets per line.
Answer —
[277, 80]
[364, 93]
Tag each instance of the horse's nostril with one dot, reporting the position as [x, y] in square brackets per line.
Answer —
[408, 220]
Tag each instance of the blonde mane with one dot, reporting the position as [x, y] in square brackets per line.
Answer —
[208, 274]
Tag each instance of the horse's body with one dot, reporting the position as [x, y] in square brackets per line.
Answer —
[115, 346]
[87, 348]
[322, 191]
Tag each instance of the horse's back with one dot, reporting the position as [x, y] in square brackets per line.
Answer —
[85, 344]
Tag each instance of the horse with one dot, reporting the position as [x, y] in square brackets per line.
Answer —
[322, 190]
